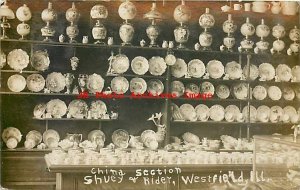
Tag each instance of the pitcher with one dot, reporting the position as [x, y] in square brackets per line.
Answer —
[289, 7]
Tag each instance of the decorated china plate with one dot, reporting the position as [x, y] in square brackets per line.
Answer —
[240, 91]
[39, 110]
[207, 88]
[119, 85]
[98, 108]
[188, 112]
[274, 93]
[120, 64]
[288, 93]
[253, 113]
[40, 60]
[196, 68]
[138, 86]
[223, 91]
[157, 66]
[266, 72]
[55, 82]
[96, 134]
[179, 69]
[202, 112]
[11, 132]
[217, 113]
[120, 138]
[259, 92]
[177, 88]
[234, 70]
[139, 65]
[95, 83]
[284, 72]
[16, 83]
[78, 109]
[215, 69]
[18, 59]
[35, 82]
[155, 87]
[57, 108]
[253, 72]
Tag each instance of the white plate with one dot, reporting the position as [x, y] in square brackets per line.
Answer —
[177, 88]
[215, 69]
[192, 90]
[296, 73]
[119, 85]
[138, 86]
[179, 69]
[176, 115]
[34, 135]
[284, 72]
[263, 113]
[95, 83]
[2, 59]
[155, 87]
[18, 59]
[196, 68]
[11, 132]
[170, 59]
[55, 82]
[50, 133]
[190, 138]
[96, 134]
[232, 110]
[120, 138]
[16, 83]
[234, 70]
[254, 73]
[276, 113]
[120, 64]
[288, 93]
[290, 111]
[259, 92]
[223, 91]
[40, 60]
[56, 108]
[78, 109]
[217, 113]
[240, 91]
[139, 65]
[274, 93]
[35, 82]
[207, 88]
[253, 113]
[157, 66]
[98, 109]
[39, 110]
[188, 112]
[266, 72]
[202, 112]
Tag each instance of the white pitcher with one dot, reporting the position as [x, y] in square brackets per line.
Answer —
[289, 7]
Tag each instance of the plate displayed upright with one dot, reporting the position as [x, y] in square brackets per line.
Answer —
[177, 88]
[157, 66]
[196, 68]
[155, 87]
[18, 59]
[119, 85]
[179, 69]
[138, 86]
[40, 60]
[215, 69]
[139, 65]
[78, 109]
[16, 83]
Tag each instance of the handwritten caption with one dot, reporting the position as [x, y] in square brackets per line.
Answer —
[170, 176]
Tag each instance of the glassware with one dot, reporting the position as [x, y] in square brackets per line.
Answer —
[48, 15]
[262, 31]
[72, 15]
[182, 15]
[127, 11]
[23, 13]
[294, 35]
[278, 31]
[206, 21]
[5, 14]
[99, 12]
[153, 30]
[229, 27]
[247, 29]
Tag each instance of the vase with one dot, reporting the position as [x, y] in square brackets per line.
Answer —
[152, 33]
[99, 33]
[205, 40]
[23, 30]
[126, 33]
[72, 32]
[181, 34]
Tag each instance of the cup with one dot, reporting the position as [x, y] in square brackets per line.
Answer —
[110, 41]
[171, 44]
[237, 7]
[85, 39]
[61, 38]
[247, 7]
[165, 44]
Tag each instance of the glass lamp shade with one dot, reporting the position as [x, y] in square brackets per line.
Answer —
[5, 11]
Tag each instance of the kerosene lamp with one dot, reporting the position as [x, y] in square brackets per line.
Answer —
[72, 15]
[48, 15]
[5, 14]
[100, 13]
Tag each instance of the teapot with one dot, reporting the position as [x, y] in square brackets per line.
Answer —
[289, 7]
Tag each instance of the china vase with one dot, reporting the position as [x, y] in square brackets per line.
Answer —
[181, 34]
[99, 33]
[126, 33]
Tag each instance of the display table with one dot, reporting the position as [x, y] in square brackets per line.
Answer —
[140, 177]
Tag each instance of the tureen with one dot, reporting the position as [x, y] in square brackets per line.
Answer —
[229, 27]
[206, 21]
[295, 37]
[182, 14]
[72, 15]
[262, 31]
[278, 31]
[99, 12]
[247, 29]
[23, 14]
[153, 31]
[127, 11]
[48, 15]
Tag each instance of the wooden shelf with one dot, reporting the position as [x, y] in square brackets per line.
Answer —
[13, 71]
[138, 76]
[81, 45]
[231, 123]
[71, 119]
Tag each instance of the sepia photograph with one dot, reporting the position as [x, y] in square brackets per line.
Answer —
[149, 95]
